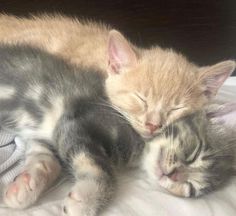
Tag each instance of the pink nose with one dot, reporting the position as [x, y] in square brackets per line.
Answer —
[152, 127]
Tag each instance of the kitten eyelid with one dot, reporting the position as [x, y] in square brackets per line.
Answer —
[195, 154]
[142, 98]
[177, 108]
[172, 110]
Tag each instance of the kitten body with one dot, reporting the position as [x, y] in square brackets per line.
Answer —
[53, 107]
[151, 87]
[80, 43]
[56, 109]
[196, 154]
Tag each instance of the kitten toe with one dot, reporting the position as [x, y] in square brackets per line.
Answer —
[17, 193]
[25, 190]
[72, 207]
[77, 207]
[175, 188]
[83, 200]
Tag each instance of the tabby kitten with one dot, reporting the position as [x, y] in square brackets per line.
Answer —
[56, 108]
[151, 87]
[196, 154]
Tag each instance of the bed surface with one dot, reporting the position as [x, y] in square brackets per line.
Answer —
[135, 198]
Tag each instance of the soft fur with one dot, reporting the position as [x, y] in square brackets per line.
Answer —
[196, 154]
[57, 108]
[151, 87]
[64, 115]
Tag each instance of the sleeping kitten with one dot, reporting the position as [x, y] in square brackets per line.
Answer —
[151, 87]
[196, 154]
[54, 107]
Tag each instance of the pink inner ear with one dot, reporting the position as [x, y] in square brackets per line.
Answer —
[214, 83]
[120, 53]
[114, 61]
[214, 76]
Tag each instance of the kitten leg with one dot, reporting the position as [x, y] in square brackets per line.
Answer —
[93, 188]
[40, 171]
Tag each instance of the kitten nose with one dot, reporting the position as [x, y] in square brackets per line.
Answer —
[152, 127]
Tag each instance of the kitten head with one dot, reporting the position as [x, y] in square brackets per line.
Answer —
[186, 161]
[154, 87]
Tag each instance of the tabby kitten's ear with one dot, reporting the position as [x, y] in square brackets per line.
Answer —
[120, 53]
[224, 114]
[214, 76]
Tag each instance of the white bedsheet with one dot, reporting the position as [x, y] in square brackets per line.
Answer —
[135, 198]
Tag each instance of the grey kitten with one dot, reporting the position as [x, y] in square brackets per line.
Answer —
[196, 154]
[62, 113]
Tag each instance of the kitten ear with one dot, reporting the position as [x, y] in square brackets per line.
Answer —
[224, 114]
[214, 76]
[120, 53]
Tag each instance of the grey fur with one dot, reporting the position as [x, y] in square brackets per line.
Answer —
[86, 123]
[201, 156]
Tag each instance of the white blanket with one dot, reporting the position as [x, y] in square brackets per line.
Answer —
[135, 198]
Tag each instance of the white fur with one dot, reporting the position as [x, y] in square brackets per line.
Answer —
[85, 164]
[34, 92]
[24, 119]
[83, 199]
[51, 118]
[6, 92]
[150, 160]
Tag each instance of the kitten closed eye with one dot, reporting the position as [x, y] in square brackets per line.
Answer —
[142, 98]
[190, 159]
[175, 109]
[194, 160]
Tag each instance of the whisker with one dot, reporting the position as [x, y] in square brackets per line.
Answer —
[120, 113]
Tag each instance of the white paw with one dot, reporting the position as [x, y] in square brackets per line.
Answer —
[26, 188]
[181, 189]
[83, 200]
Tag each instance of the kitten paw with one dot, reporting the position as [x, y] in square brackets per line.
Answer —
[175, 188]
[82, 200]
[26, 188]
[73, 205]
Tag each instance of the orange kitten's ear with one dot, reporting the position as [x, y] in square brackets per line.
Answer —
[214, 76]
[120, 53]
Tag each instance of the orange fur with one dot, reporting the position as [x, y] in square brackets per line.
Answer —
[153, 86]
[166, 80]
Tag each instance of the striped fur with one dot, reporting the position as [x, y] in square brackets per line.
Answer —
[195, 155]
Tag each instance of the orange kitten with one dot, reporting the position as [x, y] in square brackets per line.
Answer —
[151, 87]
